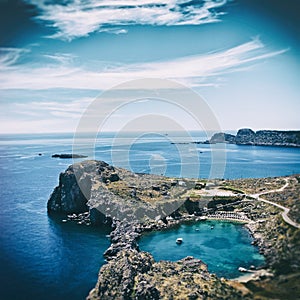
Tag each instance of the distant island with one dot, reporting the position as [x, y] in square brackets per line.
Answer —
[68, 155]
[247, 136]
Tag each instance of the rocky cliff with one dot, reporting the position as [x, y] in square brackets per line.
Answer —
[247, 136]
[111, 193]
[67, 197]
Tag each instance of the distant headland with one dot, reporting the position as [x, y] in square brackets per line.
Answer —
[247, 136]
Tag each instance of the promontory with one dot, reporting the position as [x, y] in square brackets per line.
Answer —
[247, 136]
[95, 193]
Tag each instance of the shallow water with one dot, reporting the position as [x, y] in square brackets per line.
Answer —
[222, 245]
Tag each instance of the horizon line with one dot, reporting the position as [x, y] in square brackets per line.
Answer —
[147, 131]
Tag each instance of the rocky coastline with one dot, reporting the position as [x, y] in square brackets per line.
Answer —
[246, 136]
[131, 204]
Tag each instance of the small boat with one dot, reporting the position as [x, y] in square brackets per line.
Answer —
[179, 241]
[241, 269]
[212, 227]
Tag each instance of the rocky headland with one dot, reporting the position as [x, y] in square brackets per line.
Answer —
[247, 136]
[95, 193]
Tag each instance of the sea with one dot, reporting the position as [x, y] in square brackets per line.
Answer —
[43, 258]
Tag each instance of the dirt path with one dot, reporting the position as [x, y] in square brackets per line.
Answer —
[286, 210]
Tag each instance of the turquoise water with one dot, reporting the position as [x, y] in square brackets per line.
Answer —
[224, 248]
[44, 259]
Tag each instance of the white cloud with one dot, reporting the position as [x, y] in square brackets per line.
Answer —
[79, 18]
[198, 70]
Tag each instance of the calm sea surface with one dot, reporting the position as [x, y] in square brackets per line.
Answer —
[45, 259]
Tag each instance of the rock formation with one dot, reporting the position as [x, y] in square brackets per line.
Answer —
[111, 193]
[76, 185]
[67, 197]
[135, 275]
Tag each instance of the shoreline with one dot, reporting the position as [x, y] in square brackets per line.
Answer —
[124, 243]
[246, 276]
[253, 275]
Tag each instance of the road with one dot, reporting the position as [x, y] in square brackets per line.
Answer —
[286, 210]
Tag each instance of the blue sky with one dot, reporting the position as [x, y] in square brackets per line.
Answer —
[241, 56]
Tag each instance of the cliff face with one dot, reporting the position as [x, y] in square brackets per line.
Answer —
[247, 136]
[67, 196]
[76, 185]
[108, 192]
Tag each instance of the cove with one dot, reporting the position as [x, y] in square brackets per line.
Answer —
[224, 246]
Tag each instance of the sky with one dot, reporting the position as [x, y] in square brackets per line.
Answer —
[242, 57]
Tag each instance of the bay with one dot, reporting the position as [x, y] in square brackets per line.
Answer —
[223, 246]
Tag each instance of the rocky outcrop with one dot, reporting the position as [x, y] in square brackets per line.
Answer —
[112, 193]
[247, 136]
[124, 237]
[75, 188]
[117, 278]
[135, 275]
[67, 197]
[221, 138]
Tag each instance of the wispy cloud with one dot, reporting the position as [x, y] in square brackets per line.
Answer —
[64, 58]
[10, 56]
[77, 18]
[41, 116]
[197, 70]
[72, 109]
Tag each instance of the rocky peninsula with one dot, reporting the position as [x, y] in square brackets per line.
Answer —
[95, 193]
[247, 136]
